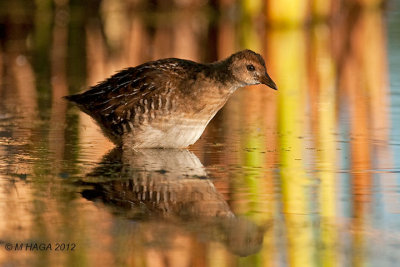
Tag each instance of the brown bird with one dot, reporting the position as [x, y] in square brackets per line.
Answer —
[167, 103]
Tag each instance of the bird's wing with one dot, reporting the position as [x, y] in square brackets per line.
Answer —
[109, 101]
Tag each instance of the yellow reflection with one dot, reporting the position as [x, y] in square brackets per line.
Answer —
[217, 256]
[321, 8]
[286, 12]
[260, 183]
[287, 59]
[250, 37]
[325, 117]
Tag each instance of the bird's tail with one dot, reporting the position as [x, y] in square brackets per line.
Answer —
[79, 100]
[73, 98]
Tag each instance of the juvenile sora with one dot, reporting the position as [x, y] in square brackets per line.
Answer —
[167, 103]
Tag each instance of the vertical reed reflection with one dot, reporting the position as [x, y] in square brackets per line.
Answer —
[364, 84]
[322, 95]
[286, 54]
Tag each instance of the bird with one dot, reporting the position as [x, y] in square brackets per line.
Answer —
[167, 103]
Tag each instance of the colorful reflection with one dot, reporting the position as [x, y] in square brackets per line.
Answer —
[305, 176]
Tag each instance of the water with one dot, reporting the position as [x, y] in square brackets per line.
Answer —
[305, 176]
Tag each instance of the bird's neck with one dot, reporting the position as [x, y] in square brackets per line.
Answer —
[220, 72]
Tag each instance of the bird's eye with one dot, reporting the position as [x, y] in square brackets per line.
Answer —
[250, 68]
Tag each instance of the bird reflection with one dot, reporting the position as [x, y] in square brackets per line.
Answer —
[169, 189]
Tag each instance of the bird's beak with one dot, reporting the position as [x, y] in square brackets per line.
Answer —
[268, 81]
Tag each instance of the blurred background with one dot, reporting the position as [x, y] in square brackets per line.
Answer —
[304, 176]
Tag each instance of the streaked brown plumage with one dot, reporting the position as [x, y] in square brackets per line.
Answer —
[169, 102]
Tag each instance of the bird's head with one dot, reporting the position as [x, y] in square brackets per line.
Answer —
[249, 68]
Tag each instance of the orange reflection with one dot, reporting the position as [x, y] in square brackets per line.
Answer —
[364, 82]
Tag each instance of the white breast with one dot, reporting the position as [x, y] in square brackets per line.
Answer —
[178, 136]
